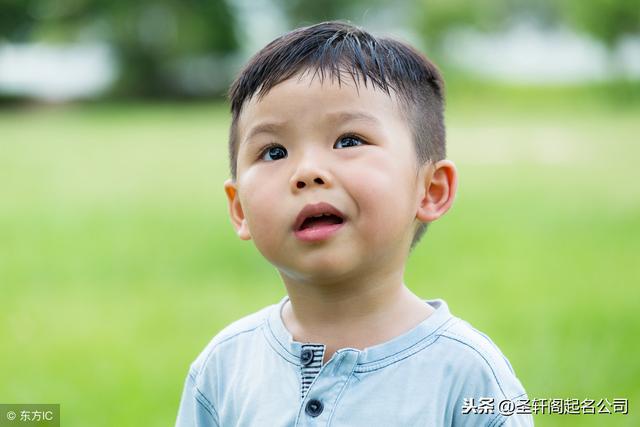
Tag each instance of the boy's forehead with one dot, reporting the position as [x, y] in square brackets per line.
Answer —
[305, 95]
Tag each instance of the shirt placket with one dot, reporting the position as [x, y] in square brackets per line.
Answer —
[321, 386]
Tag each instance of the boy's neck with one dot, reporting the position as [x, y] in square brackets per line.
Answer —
[357, 314]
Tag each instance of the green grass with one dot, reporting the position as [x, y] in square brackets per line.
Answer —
[118, 262]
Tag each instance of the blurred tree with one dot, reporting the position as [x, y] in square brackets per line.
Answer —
[433, 18]
[151, 36]
[606, 20]
[16, 24]
[148, 37]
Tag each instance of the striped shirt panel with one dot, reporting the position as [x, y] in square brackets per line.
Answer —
[309, 372]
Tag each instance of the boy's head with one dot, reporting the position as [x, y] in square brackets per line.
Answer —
[290, 124]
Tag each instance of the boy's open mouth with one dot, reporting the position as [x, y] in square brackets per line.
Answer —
[318, 215]
[319, 220]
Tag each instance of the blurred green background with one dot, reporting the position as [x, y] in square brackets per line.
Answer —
[118, 262]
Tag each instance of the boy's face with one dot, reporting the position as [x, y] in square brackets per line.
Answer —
[346, 146]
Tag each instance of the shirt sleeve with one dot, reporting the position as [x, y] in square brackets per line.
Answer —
[490, 395]
[195, 409]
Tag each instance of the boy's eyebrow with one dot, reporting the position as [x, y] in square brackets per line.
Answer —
[338, 117]
[267, 127]
[345, 116]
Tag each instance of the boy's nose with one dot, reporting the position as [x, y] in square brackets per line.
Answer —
[302, 184]
[309, 177]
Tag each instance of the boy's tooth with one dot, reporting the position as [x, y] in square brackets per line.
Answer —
[321, 215]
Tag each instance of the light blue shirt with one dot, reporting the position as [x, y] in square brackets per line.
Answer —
[443, 372]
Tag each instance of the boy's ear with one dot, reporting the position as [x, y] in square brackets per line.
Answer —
[235, 210]
[438, 184]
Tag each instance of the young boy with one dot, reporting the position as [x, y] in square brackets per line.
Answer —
[337, 150]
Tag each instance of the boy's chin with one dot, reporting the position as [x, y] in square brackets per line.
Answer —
[320, 271]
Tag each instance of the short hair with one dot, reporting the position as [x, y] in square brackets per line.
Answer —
[335, 48]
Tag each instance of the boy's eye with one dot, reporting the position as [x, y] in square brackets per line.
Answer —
[348, 141]
[273, 152]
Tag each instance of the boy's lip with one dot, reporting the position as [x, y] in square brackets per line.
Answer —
[316, 209]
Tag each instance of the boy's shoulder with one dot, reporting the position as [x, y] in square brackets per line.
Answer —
[479, 358]
[462, 334]
[237, 330]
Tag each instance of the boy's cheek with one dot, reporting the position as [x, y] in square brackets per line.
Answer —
[385, 212]
[269, 244]
[266, 222]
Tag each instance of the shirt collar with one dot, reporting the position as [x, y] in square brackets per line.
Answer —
[372, 357]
